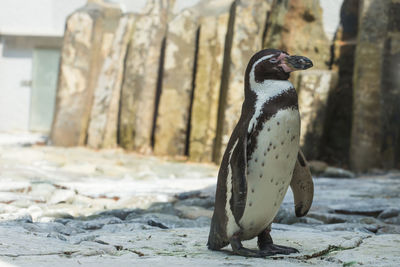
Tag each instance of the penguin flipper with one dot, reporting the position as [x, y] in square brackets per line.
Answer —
[302, 186]
[238, 164]
[235, 162]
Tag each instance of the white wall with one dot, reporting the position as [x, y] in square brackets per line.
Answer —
[24, 25]
[15, 78]
[15, 67]
[36, 17]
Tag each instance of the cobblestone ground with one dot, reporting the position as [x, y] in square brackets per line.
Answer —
[77, 206]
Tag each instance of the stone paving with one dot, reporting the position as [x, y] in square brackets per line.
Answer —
[78, 206]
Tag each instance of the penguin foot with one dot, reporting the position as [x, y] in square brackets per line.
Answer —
[238, 249]
[245, 252]
[273, 249]
[267, 246]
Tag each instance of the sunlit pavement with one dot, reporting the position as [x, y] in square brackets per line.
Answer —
[75, 206]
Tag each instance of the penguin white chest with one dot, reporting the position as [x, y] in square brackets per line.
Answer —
[269, 170]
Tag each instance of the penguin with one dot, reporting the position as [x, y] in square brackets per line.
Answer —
[262, 159]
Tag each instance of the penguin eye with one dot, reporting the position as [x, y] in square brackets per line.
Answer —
[273, 60]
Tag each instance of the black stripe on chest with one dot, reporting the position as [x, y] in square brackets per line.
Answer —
[285, 100]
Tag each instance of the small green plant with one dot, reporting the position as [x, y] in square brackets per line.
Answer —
[350, 263]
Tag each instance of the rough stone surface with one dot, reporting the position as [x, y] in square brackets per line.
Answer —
[87, 31]
[177, 85]
[322, 169]
[50, 183]
[146, 245]
[247, 36]
[375, 135]
[391, 91]
[336, 147]
[102, 132]
[194, 212]
[166, 221]
[389, 213]
[337, 173]
[81, 206]
[366, 127]
[141, 77]
[317, 167]
[213, 29]
[296, 27]
[314, 88]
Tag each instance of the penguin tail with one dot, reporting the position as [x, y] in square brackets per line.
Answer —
[216, 238]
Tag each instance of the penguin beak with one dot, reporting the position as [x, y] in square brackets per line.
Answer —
[293, 63]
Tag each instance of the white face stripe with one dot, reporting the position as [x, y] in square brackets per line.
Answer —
[231, 226]
[265, 90]
[261, 59]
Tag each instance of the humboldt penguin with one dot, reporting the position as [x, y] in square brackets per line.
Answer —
[262, 159]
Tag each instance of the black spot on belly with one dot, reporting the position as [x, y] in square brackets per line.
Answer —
[276, 156]
[285, 100]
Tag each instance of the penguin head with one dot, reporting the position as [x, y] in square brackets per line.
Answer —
[274, 64]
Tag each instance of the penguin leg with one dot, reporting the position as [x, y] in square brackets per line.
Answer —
[266, 244]
[238, 248]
